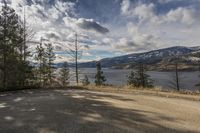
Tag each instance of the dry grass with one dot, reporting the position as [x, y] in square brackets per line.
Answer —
[144, 91]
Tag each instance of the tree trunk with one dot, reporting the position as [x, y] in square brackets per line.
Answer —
[177, 77]
[4, 72]
[76, 59]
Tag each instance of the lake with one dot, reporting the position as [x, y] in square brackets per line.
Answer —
[118, 77]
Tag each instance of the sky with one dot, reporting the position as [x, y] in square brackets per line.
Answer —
[109, 28]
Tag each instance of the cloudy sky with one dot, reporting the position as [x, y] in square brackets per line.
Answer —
[108, 28]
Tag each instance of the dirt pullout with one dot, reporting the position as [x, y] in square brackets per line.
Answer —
[81, 111]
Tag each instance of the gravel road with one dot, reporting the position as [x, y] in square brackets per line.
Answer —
[79, 111]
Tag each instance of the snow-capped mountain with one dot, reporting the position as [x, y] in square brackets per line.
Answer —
[151, 57]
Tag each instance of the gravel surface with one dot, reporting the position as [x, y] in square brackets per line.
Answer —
[78, 111]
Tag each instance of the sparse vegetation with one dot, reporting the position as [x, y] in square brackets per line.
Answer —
[64, 74]
[41, 64]
[99, 77]
[139, 78]
[50, 56]
[85, 81]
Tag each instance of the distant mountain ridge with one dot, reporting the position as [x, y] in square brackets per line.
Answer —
[149, 58]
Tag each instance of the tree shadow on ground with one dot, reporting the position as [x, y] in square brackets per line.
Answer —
[73, 112]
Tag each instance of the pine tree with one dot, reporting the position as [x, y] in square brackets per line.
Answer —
[5, 40]
[140, 78]
[64, 74]
[26, 73]
[41, 61]
[50, 57]
[99, 77]
[132, 79]
[85, 81]
[11, 64]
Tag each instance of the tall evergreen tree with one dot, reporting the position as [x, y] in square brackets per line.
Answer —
[26, 74]
[41, 61]
[132, 79]
[50, 57]
[99, 77]
[11, 64]
[139, 78]
[64, 74]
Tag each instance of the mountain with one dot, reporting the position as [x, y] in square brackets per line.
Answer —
[150, 58]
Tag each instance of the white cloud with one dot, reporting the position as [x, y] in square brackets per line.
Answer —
[136, 40]
[66, 8]
[61, 58]
[70, 22]
[87, 54]
[184, 15]
[149, 29]
[164, 1]
[138, 26]
[145, 12]
[125, 5]
[107, 41]
[17, 3]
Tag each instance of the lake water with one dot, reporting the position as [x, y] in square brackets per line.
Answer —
[165, 80]
[118, 77]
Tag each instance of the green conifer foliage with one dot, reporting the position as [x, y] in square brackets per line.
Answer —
[139, 78]
[50, 57]
[64, 74]
[13, 69]
[99, 77]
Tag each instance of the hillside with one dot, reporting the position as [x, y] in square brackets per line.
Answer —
[162, 57]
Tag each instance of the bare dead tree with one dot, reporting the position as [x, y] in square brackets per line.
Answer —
[76, 57]
[75, 53]
[177, 75]
[175, 80]
[28, 36]
[24, 46]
